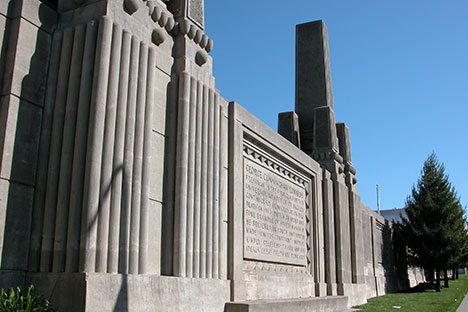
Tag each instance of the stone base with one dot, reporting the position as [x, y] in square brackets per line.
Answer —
[12, 279]
[321, 290]
[357, 293]
[273, 289]
[288, 305]
[119, 292]
[332, 289]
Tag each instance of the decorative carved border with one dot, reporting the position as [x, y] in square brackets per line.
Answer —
[257, 266]
[164, 20]
[255, 153]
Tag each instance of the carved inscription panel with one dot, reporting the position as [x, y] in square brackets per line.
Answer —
[274, 217]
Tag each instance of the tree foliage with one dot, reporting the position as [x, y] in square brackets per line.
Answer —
[434, 228]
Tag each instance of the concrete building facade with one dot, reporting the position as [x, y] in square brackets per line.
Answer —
[128, 183]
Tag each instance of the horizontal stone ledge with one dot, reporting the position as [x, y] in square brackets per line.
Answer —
[323, 304]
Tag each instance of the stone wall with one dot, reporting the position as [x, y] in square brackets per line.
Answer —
[127, 180]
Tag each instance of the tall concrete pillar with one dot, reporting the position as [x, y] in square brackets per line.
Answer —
[198, 248]
[313, 77]
[319, 138]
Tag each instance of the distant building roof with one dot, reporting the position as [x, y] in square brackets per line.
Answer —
[393, 215]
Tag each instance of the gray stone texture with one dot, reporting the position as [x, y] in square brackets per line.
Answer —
[192, 9]
[123, 180]
[195, 12]
[25, 68]
[15, 215]
[299, 305]
[121, 292]
[324, 132]
[313, 77]
[342, 132]
[21, 124]
[288, 127]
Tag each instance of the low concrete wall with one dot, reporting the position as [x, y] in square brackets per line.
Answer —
[121, 292]
[296, 305]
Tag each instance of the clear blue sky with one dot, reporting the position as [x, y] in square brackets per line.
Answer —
[399, 73]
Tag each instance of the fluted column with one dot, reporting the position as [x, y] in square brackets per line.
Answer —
[79, 152]
[94, 147]
[180, 214]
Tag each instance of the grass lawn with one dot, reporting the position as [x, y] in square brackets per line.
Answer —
[447, 300]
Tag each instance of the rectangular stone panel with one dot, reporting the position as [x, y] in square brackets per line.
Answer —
[274, 216]
[195, 12]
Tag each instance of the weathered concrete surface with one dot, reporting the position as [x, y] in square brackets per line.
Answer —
[288, 127]
[121, 292]
[118, 155]
[296, 305]
[313, 77]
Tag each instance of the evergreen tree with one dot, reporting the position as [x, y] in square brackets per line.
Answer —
[434, 226]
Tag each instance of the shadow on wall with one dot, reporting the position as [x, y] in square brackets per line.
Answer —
[20, 125]
[393, 261]
[24, 64]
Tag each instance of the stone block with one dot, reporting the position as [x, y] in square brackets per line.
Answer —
[196, 12]
[342, 132]
[65, 291]
[357, 293]
[154, 233]
[288, 127]
[26, 66]
[192, 9]
[157, 166]
[12, 279]
[286, 305]
[321, 289]
[4, 7]
[324, 138]
[21, 123]
[160, 102]
[3, 21]
[39, 14]
[15, 217]
[96, 292]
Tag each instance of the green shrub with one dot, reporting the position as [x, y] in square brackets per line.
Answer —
[19, 301]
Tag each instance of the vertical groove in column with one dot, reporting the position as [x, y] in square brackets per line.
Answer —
[204, 188]
[44, 148]
[191, 177]
[66, 160]
[222, 195]
[209, 219]
[79, 150]
[55, 149]
[138, 160]
[118, 154]
[197, 195]
[145, 180]
[216, 187]
[108, 148]
[128, 159]
[94, 148]
[180, 213]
